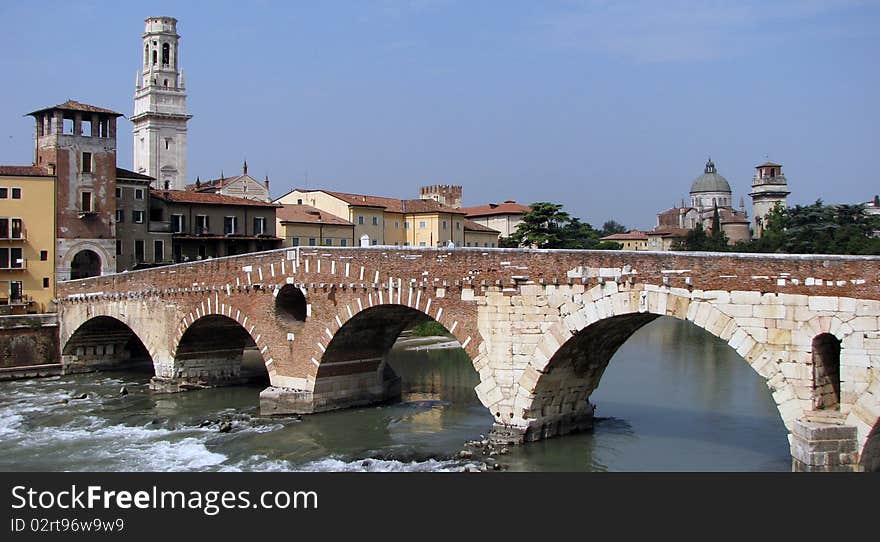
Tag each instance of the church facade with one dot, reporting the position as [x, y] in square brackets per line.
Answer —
[711, 191]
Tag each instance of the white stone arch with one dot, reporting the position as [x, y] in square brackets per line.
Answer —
[608, 301]
[108, 261]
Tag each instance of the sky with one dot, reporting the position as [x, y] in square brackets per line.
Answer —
[610, 108]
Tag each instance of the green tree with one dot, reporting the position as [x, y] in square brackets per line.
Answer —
[717, 238]
[610, 227]
[541, 227]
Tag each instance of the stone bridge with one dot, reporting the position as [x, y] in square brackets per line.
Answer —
[540, 327]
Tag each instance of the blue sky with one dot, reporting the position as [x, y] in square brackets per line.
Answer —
[609, 107]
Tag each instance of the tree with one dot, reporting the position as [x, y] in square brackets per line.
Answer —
[717, 238]
[610, 227]
[695, 240]
[541, 227]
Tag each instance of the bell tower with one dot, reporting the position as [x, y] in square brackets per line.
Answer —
[160, 115]
[769, 187]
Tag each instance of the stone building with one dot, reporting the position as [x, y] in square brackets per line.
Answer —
[631, 240]
[309, 226]
[160, 115]
[239, 186]
[213, 225]
[76, 142]
[445, 194]
[709, 191]
[27, 239]
[769, 188]
[502, 217]
[143, 235]
[388, 221]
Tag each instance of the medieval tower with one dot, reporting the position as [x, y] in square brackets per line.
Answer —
[769, 187]
[160, 107]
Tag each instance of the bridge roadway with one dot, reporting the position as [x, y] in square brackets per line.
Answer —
[539, 325]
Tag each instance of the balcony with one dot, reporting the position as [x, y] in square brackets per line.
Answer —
[14, 236]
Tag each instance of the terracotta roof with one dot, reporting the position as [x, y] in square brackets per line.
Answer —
[306, 214]
[509, 207]
[668, 232]
[24, 171]
[128, 174]
[186, 196]
[632, 235]
[729, 216]
[393, 205]
[73, 105]
[769, 164]
[470, 225]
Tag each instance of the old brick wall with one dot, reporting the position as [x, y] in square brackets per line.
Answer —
[28, 340]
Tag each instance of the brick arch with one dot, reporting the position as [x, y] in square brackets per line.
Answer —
[614, 316]
[229, 311]
[148, 346]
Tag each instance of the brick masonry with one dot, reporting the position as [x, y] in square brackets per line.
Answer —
[27, 341]
[540, 326]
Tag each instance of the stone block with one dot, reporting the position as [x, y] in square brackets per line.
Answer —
[823, 303]
[769, 311]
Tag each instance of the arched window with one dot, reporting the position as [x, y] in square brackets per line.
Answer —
[154, 56]
[85, 264]
[166, 54]
[146, 54]
[773, 172]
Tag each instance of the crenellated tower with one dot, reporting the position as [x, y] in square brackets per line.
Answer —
[160, 115]
[769, 187]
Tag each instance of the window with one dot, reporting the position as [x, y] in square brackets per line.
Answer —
[118, 192]
[166, 54]
[45, 282]
[396, 225]
[158, 251]
[137, 217]
[421, 224]
[120, 216]
[343, 242]
[458, 225]
[294, 241]
[202, 225]
[44, 255]
[87, 162]
[139, 250]
[16, 193]
[468, 243]
[299, 202]
[11, 258]
[16, 288]
[4, 228]
[86, 202]
[118, 247]
[444, 224]
[375, 220]
[360, 219]
[229, 225]
[421, 243]
[138, 193]
[203, 252]
[406, 243]
[178, 223]
[4, 192]
[312, 242]
[328, 242]
[375, 241]
[259, 225]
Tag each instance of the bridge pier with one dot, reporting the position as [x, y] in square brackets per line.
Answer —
[546, 427]
[207, 369]
[334, 392]
[824, 447]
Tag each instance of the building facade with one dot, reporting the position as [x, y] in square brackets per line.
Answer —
[143, 235]
[631, 240]
[239, 186]
[502, 217]
[76, 142]
[769, 188]
[478, 235]
[304, 225]
[388, 221]
[27, 240]
[160, 114]
[212, 225]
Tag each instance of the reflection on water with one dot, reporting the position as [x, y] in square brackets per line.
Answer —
[673, 398]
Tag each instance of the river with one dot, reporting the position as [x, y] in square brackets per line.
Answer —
[673, 398]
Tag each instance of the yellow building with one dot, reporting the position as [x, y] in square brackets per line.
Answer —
[388, 221]
[631, 240]
[304, 225]
[27, 240]
[478, 235]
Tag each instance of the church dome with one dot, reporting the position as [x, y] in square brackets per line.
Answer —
[710, 181]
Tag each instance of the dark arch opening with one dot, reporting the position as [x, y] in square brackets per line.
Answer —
[290, 305]
[217, 351]
[826, 372]
[870, 457]
[401, 356]
[85, 264]
[668, 395]
[105, 343]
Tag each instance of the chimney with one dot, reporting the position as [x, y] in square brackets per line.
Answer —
[266, 182]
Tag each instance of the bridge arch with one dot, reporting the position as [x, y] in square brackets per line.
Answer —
[210, 352]
[105, 343]
[568, 363]
[353, 359]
